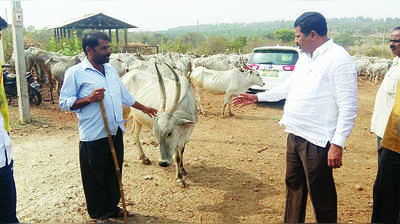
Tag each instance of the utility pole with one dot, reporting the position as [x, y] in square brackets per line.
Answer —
[2, 58]
[18, 39]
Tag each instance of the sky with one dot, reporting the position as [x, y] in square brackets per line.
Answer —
[153, 15]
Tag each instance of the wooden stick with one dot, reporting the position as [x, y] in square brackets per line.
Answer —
[262, 150]
[103, 113]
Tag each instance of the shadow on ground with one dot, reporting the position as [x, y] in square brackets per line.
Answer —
[242, 192]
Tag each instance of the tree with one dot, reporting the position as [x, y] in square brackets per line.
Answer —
[284, 35]
[193, 38]
[239, 43]
[345, 39]
[215, 45]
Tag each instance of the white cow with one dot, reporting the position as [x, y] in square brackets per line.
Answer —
[55, 68]
[176, 117]
[119, 65]
[377, 70]
[231, 83]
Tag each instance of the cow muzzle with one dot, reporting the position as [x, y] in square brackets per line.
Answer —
[163, 163]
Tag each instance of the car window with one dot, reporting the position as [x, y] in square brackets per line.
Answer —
[274, 57]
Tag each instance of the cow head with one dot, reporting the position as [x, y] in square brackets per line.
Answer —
[170, 126]
[255, 77]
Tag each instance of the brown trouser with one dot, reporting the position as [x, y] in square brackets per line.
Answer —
[307, 171]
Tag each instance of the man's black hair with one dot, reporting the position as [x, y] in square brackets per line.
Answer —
[92, 40]
[309, 21]
[396, 28]
[3, 24]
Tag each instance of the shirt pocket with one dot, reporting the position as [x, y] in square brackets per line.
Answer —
[87, 88]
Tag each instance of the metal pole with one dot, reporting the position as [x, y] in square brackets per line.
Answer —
[22, 86]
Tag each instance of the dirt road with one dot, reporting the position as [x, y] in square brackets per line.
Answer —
[229, 181]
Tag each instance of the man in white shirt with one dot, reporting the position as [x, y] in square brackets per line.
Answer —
[319, 114]
[387, 91]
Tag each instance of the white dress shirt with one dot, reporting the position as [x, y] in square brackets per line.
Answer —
[384, 100]
[322, 101]
[80, 80]
[5, 145]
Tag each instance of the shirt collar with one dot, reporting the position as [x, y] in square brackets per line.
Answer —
[396, 60]
[87, 65]
[320, 50]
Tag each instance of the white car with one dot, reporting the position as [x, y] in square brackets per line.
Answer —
[275, 64]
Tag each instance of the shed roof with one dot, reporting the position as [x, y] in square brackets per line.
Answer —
[97, 21]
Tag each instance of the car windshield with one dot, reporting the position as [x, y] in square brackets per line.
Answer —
[274, 57]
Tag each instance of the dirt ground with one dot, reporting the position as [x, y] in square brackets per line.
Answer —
[229, 181]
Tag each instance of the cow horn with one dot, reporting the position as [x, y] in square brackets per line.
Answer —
[178, 91]
[162, 88]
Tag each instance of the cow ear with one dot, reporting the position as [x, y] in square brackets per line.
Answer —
[184, 122]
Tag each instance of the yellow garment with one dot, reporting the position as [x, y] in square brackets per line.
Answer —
[391, 138]
[4, 103]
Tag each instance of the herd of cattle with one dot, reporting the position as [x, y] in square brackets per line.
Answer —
[372, 68]
[168, 82]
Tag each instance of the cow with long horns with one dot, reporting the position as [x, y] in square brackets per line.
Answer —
[176, 117]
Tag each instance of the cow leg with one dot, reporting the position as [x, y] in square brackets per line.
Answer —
[230, 109]
[183, 171]
[50, 78]
[227, 102]
[179, 175]
[59, 85]
[377, 79]
[198, 100]
[136, 134]
[230, 106]
[51, 91]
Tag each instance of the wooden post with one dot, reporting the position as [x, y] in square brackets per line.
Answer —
[55, 34]
[22, 85]
[110, 34]
[126, 40]
[117, 38]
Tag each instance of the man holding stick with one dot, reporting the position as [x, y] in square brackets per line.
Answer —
[85, 84]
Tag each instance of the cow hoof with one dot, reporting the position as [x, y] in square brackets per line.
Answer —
[230, 114]
[146, 162]
[182, 184]
[183, 171]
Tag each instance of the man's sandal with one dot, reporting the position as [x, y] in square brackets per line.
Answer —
[120, 214]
